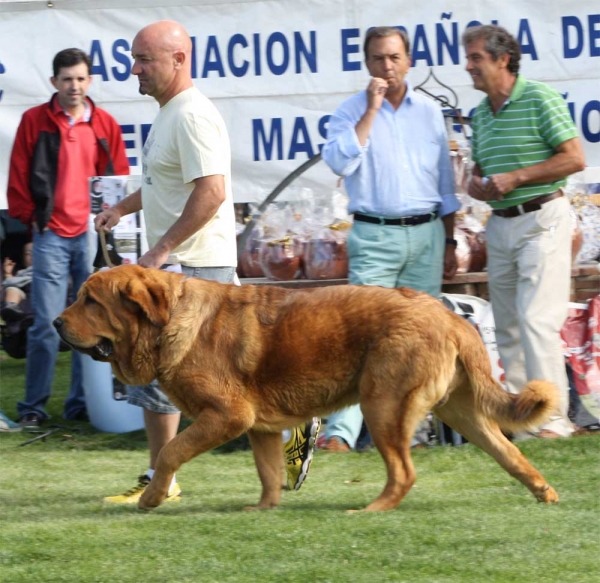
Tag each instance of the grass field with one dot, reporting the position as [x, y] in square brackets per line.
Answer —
[465, 520]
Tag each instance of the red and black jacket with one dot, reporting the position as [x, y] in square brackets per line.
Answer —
[34, 160]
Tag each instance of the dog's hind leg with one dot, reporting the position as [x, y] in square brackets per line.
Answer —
[460, 413]
[268, 457]
[392, 426]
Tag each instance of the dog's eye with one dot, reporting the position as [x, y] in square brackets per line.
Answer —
[90, 301]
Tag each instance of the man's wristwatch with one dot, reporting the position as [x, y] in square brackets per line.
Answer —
[452, 242]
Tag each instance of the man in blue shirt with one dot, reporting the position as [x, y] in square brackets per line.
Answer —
[390, 146]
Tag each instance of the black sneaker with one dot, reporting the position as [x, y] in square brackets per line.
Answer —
[81, 415]
[30, 420]
[11, 312]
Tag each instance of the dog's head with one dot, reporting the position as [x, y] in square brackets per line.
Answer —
[118, 317]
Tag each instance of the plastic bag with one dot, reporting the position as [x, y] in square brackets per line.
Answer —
[471, 250]
[479, 313]
[589, 220]
[326, 255]
[280, 251]
[581, 337]
[250, 255]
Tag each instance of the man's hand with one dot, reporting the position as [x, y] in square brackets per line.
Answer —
[500, 184]
[107, 219]
[376, 93]
[450, 263]
[153, 258]
[476, 188]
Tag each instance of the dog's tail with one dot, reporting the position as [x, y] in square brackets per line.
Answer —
[528, 410]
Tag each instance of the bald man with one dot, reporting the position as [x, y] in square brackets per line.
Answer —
[186, 197]
[190, 225]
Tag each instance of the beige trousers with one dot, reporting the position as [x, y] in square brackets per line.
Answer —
[529, 266]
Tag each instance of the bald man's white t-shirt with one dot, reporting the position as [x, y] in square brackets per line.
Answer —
[188, 140]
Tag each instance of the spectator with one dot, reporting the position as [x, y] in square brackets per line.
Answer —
[16, 286]
[390, 146]
[188, 206]
[58, 146]
[14, 236]
[524, 146]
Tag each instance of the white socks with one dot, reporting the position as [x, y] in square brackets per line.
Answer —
[150, 474]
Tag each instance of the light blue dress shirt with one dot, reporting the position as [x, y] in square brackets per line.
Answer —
[404, 168]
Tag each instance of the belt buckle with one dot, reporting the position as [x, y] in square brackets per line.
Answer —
[381, 221]
[520, 209]
[403, 221]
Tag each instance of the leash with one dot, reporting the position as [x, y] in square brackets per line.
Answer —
[51, 430]
[105, 254]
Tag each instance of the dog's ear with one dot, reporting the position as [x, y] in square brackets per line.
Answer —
[152, 297]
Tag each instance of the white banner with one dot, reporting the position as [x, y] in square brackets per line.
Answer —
[277, 69]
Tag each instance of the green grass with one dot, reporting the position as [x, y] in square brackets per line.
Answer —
[465, 520]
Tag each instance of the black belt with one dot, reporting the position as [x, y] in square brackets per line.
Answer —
[399, 222]
[527, 207]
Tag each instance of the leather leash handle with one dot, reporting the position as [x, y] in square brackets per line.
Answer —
[105, 254]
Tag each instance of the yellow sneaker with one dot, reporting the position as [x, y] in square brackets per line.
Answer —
[132, 496]
[299, 452]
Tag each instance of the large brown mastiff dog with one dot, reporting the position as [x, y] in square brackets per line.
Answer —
[260, 359]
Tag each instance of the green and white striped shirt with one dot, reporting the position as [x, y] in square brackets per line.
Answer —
[525, 131]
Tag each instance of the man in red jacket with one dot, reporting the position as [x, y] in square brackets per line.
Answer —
[58, 146]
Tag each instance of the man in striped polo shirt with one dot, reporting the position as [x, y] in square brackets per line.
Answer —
[524, 146]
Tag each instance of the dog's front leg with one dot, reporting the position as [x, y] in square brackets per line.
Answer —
[268, 457]
[211, 429]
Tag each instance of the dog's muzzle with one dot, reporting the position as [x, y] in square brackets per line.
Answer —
[100, 351]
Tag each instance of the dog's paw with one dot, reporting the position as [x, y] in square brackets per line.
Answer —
[548, 495]
[261, 507]
[146, 507]
[149, 501]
